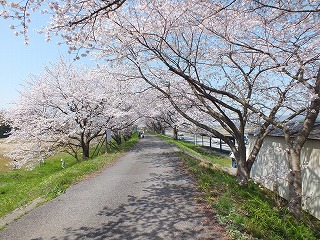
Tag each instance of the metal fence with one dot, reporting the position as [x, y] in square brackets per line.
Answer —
[201, 140]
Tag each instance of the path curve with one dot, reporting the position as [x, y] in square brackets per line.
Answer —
[144, 195]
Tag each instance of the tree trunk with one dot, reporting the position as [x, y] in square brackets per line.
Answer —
[175, 132]
[243, 167]
[84, 146]
[243, 172]
[85, 150]
[295, 183]
[117, 136]
[127, 136]
[295, 144]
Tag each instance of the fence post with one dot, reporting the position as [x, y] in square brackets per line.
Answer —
[62, 163]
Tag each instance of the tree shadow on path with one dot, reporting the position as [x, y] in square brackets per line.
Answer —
[165, 209]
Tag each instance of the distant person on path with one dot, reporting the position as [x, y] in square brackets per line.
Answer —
[141, 135]
[233, 159]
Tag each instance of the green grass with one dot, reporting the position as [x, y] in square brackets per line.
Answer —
[202, 152]
[248, 212]
[48, 180]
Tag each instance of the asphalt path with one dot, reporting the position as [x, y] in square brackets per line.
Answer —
[146, 194]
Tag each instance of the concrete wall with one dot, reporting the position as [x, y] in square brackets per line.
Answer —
[271, 170]
[311, 177]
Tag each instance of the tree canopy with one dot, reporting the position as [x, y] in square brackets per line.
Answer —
[222, 64]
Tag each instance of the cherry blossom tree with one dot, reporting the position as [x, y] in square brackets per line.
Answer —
[197, 60]
[159, 114]
[233, 76]
[302, 6]
[65, 109]
[4, 126]
[197, 55]
[286, 35]
[79, 11]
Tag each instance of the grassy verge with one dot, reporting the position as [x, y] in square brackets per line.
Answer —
[48, 180]
[248, 213]
[202, 152]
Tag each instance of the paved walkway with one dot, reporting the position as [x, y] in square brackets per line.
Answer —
[144, 195]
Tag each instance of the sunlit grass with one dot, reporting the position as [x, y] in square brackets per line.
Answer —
[49, 179]
[220, 160]
[249, 212]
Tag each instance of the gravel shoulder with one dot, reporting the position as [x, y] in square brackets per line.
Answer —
[144, 195]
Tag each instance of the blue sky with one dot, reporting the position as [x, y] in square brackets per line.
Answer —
[18, 60]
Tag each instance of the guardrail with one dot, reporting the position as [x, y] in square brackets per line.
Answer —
[200, 140]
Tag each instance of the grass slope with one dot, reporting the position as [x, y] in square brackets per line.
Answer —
[205, 153]
[248, 213]
[48, 180]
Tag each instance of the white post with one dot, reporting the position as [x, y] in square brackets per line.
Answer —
[62, 162]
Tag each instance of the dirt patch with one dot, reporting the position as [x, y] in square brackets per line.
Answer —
[4, 147]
